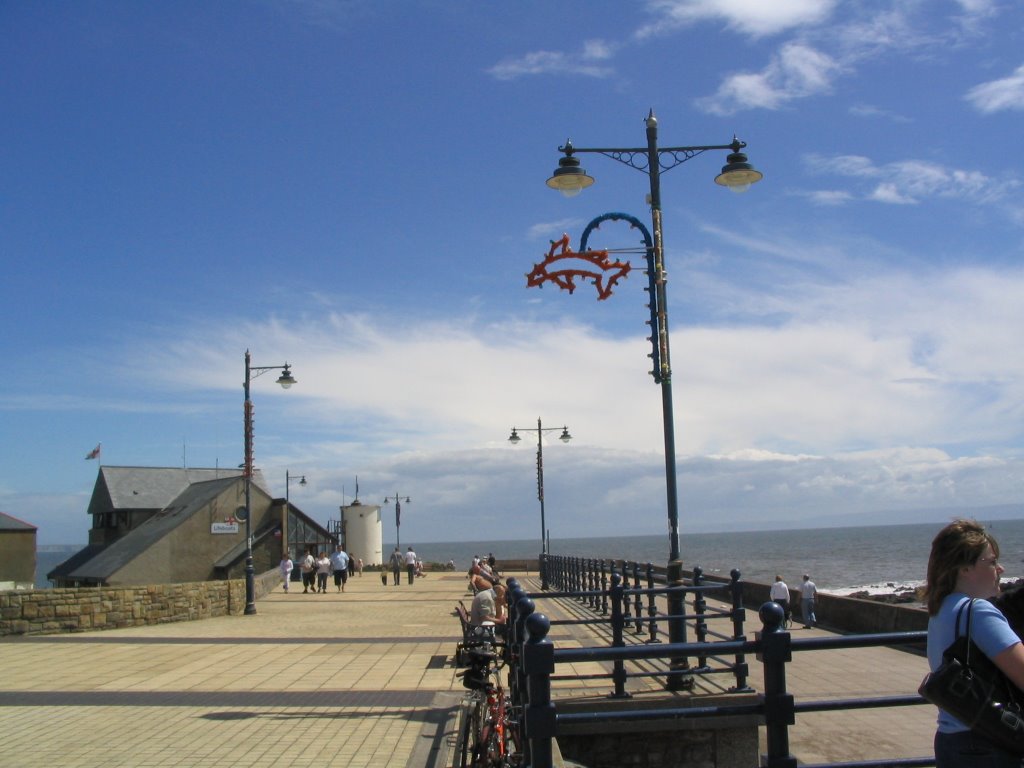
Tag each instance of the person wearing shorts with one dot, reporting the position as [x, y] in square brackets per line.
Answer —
[339, 567]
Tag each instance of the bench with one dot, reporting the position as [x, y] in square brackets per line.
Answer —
[472, 637]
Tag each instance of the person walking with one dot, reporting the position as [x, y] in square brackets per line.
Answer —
[410, 564]
[396, 565]
[339, 566]
[308, 566]
[323, 570]
[286, 566]
[779, 593]
[808, 598]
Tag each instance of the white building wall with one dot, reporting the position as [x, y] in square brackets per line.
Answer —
[364, 532]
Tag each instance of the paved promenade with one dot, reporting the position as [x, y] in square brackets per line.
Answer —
[359, 679]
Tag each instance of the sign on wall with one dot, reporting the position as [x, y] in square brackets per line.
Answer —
[224, 528]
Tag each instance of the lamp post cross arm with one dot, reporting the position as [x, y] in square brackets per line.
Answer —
[639, 157]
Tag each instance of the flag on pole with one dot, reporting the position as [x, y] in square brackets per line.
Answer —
[94, 453]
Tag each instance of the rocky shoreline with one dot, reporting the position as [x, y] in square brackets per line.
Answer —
[902, 595]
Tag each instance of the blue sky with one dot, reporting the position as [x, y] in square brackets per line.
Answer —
[357, 188]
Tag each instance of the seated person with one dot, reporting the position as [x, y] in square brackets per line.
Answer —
[480, 577]
[489, 606]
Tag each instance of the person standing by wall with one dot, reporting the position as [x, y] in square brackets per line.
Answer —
[780, 594]
[808, 598]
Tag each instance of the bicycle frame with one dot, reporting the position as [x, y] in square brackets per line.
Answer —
[488, 736]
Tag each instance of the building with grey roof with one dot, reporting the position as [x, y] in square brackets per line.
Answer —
[158, 525]
[17, 553]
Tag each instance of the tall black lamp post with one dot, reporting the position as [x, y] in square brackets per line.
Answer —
[737, 175]
[285, 380]
[398, 515]
[565, 437]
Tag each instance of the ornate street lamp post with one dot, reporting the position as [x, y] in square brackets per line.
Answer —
[737, 175]
[285, 380]
[398, 515]
[565, 437]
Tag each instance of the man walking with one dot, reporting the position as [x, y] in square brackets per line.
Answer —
[339, 565]
[808, 597]
[308, 565]
[410, 564]
[396, 565]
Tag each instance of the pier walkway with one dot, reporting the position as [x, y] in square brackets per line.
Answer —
[359, 679]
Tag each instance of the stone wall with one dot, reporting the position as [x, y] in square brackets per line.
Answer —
[844, 614]
[82, 609]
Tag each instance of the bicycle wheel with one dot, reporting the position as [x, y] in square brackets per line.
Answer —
[480, 734]
[465, 733]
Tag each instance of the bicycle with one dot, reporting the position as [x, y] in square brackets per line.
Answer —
[488, 733]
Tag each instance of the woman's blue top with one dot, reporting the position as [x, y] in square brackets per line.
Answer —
[989, 630]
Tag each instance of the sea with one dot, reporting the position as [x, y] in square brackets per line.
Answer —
[878, 559]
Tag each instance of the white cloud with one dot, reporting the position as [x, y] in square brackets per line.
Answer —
[796, 71]
[830, 197]
[750, 17]
[588, 63]
[912, 181]
[999, 95]
[872, 390]
[552, 230]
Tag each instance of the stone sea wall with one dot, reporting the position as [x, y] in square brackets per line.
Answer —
[843, 614]
[81, 609]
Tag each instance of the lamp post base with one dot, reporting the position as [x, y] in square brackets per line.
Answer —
[250, 588]
[677, 629]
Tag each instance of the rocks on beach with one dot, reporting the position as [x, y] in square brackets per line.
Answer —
[913, 594]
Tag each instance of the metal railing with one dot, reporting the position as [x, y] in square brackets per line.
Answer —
[533, 660]
[623, 609]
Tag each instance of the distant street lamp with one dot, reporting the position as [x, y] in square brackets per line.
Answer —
[737, 175]
[285, 380]
[565, 437]
[287, 505]
[287, 481]
[398, 515]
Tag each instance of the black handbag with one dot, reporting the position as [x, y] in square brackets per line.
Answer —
[972, 689]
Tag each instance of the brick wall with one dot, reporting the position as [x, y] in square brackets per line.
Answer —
[81, 609]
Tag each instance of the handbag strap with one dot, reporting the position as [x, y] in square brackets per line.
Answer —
[968, 604]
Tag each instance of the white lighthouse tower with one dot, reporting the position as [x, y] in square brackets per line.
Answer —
[364, 532]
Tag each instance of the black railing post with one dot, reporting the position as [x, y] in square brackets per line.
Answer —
[604, 585]
[779, 713]
[699, 608]
[652, 606]
[542, 560]
[618, 626]
[539, 713]
[738, 615]
[638, 603]
[592, 598]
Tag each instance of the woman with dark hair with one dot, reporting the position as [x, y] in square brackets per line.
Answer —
[963, 571]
